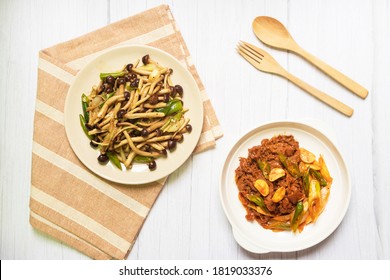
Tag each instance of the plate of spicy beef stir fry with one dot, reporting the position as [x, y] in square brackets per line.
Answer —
[133, 115]
[284, 187]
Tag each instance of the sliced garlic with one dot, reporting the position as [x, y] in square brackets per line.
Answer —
[262, 187]
[276, 173]
[307, 156]
[279, 194]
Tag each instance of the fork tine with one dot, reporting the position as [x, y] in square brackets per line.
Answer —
[247, 50]
[252, 61]
[255, 50]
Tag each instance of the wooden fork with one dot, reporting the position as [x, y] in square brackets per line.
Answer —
[263, 61]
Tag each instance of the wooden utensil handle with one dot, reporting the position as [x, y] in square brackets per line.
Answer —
[329, 100]
[333, 73]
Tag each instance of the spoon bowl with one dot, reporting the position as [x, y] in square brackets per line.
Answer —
[273, 33]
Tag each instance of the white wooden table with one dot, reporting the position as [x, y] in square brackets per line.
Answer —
[187, 221]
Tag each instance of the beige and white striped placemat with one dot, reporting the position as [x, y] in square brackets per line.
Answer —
[97, 217]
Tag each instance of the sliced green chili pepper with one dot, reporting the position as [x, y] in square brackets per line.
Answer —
[264, 167]
[142, 159]
[291, 167]
[258, 200]
[84, 104]
[114, 74]
[173, 106]
[306, 183]
[82, 123]
[297, 213]
[114, 160]
[319, 177]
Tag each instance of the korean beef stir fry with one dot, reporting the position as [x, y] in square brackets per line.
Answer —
[282, 186]
[135, 114]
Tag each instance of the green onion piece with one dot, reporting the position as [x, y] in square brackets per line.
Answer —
[264, 167]
[319, 177]
[258, 200]
[291, 167]
[297, 213]
[306, 183]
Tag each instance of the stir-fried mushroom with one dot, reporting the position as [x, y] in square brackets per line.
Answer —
[135, 114]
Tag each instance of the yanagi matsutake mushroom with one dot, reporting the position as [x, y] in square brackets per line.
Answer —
[135, 114]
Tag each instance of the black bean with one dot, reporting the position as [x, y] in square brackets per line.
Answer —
[145, 59]
[171, 144]
[93, 144]
[129, 67]
[152, 165]
[179, 89]
[121, 113]
[164, 152]
[144, 132]
[103, 158]
[158, 132]
[110, 80]
[189, 128]
[126, 95]
[121, 81]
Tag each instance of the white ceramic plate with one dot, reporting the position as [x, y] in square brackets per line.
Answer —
[253, 237]
[111, 61]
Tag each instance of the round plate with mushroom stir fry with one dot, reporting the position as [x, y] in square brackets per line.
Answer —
[133, 115]
[267, 177]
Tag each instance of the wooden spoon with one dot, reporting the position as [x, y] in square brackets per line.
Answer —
[272, 32]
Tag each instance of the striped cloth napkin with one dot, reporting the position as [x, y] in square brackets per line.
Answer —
[97, 217]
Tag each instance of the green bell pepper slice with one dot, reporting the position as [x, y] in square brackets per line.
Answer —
[173, 106]
[114, 74]
[82, 123]
[142, 159]
[84, 104]
[114, 159]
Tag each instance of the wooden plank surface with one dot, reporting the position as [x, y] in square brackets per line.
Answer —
[187, 221]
